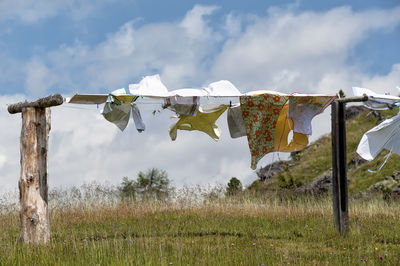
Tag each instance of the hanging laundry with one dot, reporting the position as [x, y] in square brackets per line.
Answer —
[149, 86]
[137, 118]
[203, 121]
[376, 101]
[283, 127]
[302, 109]
[117, 110]
[182, 105]
[236, 124]
[118, 114]
[260, 115]
[222, 88]
[386, 135]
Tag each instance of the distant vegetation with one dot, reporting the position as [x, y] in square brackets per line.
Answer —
[153, 184]
[233, 187]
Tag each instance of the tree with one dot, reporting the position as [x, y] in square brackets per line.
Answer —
[127, 189]
[341, 94]
[234, 186]
[154, 184]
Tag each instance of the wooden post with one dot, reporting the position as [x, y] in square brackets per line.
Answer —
[33, 189]
[339, 168]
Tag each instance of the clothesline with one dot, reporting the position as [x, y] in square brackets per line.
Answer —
[266, 118]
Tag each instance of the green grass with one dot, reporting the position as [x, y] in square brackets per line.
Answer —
[316, 160]
[244, 232]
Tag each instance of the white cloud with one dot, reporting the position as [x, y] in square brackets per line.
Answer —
[283, 50]
[297, 51]
[9, 148]
[194, 22]
[38, 77]
[384, 83]
[3, 160]
[175, 50]
[302, 52]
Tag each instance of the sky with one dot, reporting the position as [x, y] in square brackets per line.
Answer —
[71, 46]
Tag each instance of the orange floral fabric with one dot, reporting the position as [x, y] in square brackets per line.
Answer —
[260, 115]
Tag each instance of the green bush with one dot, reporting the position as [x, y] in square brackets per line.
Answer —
[234, 186]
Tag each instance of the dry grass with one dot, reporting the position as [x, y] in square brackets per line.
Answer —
[237, 231]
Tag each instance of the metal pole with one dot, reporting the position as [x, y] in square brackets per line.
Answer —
[339, 168]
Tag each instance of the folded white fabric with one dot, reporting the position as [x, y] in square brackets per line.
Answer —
[386, 135]
[222, 88]
[149, 86]
[376, 101]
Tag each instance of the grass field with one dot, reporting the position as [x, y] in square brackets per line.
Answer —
[241, 231]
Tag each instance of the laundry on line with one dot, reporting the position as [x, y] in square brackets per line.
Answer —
[265, 117]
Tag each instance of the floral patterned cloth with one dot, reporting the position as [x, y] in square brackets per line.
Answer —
[260, 115]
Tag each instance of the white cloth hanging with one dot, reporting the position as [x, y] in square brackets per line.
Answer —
[222, 88]
[149, 86]
[386, 135]
[376, 101]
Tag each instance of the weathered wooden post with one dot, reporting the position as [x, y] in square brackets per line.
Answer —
[339, 162]
[339, 168]
[33, 190]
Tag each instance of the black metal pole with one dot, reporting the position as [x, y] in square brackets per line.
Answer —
[335, 181]
[339, 168]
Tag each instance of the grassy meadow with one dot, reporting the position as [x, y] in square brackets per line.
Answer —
[242, 230]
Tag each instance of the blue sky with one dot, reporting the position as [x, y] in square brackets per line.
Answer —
[78, 46]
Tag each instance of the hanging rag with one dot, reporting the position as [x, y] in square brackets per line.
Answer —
[118, 114]
[182, 105]
[386, 135]
[302, 109]
[376, 101]
[203, 121]
[137, 118]
[236, 124]
[283, 127]
[118, 108]
[260, 115]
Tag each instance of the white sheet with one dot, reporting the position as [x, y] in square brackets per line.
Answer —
[376, 101]
[386, 135]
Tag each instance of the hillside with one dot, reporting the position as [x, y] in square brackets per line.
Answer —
[314, 163]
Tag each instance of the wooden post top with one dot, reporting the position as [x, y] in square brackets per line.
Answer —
[52, 100]
[363, 98]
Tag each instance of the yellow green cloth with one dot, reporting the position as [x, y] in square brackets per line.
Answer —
[203, 121]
